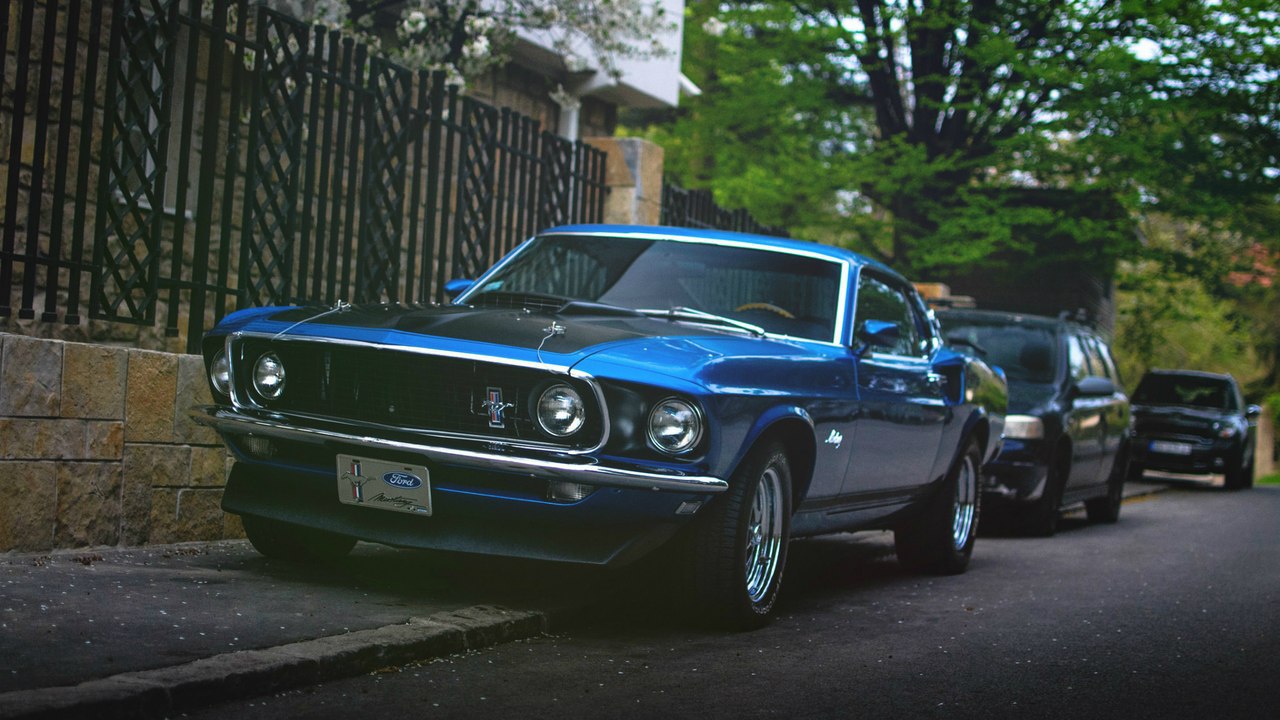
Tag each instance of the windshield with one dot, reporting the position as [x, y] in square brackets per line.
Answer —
[780, 292]
[1185, 390]
[1025, 353]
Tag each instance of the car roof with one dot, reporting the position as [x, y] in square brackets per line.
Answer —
[769, 241]
[1191, 373]
[1004, 318]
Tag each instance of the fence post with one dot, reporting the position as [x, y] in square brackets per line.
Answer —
[633, 175]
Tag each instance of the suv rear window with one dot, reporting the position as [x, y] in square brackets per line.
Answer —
[1186, 390]
[1025, 353]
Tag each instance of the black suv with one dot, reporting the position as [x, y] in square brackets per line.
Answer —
[1193, 422]
[1066, 435]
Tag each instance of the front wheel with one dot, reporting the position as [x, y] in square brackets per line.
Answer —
[940, 539]
[735, 554]
[285, 541]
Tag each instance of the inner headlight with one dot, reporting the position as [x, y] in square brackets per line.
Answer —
[268, 376]
[1023, 427]
[674, 426]
[220, 373]
[561, 411]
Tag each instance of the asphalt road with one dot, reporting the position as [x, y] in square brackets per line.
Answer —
[1172, 613]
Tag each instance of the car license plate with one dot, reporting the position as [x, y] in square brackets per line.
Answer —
[384, 485]
[1170, 448]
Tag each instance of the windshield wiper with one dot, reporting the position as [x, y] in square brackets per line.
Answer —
[688, 313]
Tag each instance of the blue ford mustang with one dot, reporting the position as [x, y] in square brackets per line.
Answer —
[607, 391]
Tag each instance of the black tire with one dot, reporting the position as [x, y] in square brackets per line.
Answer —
[1106, 509]
[734, 555]
[283, 541]
[939, 540]
[1040, 518]
[1240, 477]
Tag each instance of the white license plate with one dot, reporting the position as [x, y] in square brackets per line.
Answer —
[384, 485]
[1170, 448]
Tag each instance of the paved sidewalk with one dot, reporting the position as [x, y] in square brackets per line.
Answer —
[146, 632]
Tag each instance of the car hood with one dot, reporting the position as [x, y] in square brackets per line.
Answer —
[1192, 415]
[1031, 398]
[565, 340]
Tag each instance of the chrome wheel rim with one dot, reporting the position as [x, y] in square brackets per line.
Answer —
[966, 506]
[764, 535]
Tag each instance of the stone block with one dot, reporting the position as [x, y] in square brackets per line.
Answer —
[232, 527]
[30, 376]
[88, 504]
[29, 509]
[104, 440]
[184, 515]
[208, 467]
[149, 401]
[93, 381]
[42, 439]
[193, 390]
[159, 465]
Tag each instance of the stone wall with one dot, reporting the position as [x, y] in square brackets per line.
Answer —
[96, 448]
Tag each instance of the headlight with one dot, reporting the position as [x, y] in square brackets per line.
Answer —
[220, 373]
[268, 376]
[1023, 427]
[1225, 430]
[560, 411]
[674, 426]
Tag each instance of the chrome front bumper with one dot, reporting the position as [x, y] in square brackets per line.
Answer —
[584, 470]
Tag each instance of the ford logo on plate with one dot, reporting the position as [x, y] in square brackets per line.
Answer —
[402, 480]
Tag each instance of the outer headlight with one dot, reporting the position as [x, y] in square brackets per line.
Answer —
[1023, 427]
[1225, 429]
[268, 376]
[561, 411]
[220, 373]
[674, 426]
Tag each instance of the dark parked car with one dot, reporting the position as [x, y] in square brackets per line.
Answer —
[605, 391]
[1193, 422]
[1066, 435]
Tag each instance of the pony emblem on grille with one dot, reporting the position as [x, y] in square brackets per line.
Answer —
[496, 408]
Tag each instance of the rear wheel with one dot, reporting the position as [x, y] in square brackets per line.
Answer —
[284, 541]
[940, 539]
[735, 555]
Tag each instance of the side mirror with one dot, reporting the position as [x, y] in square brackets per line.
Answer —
[1095, 386]
[878, 333]
[457, 286]
[1253, 411]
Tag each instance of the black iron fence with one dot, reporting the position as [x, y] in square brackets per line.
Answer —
[698, 209]
[173, 160]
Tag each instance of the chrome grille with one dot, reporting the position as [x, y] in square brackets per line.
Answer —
[409, 390]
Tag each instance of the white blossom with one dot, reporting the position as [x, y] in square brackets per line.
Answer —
[714, 26]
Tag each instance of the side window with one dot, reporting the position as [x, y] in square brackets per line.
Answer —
[1105, 353]
[877, 300]
[1076, 358]
[1096, 366]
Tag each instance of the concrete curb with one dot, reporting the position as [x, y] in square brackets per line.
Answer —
[156, 693]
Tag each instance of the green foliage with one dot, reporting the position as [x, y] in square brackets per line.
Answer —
[466, 38]
[911, 130]
[1175, 310]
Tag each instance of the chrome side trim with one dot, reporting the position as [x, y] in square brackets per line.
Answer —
[232, 422]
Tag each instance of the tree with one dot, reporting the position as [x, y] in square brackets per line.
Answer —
[466, 38]
[928, 111]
